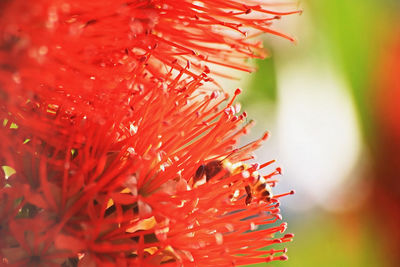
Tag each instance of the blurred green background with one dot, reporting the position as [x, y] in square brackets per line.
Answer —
[332, 104]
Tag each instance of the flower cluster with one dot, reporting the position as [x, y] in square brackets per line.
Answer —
[108, 113]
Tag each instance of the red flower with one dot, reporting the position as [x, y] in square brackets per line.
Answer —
[103, 43]
[109, 150]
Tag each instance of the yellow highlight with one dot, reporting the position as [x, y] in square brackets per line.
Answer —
[110, 203]
[8, 171]
[126, 190]
[144, 224]
[151, 250]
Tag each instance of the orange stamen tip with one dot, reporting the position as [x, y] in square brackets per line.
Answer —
[288, 235]
[234, 118]
[265, 136]
[214, 94]
[238, 91]
[283, 258]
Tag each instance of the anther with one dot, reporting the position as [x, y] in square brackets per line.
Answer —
[283, 258]
[283, 227]
[265, 136]
[214, 94]
[288, 236]
[285, 194]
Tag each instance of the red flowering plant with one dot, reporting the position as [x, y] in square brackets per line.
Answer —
[122, 151]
